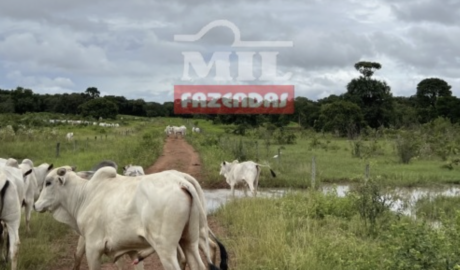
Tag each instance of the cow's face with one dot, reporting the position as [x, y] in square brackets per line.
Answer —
[52, 190]
[224, 167]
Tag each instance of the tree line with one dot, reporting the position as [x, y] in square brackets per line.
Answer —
[367, 102]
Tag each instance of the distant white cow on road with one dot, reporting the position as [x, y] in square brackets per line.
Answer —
[69, 136]
[247, 172]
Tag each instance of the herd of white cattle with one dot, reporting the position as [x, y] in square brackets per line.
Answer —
[174, 130]
[82, 122]
[133, 214]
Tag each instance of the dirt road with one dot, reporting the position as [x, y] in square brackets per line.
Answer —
[178, 155]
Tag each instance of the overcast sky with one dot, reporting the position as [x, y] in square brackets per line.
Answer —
[127, 47]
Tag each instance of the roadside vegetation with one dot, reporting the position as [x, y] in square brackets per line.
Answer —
[426, 155]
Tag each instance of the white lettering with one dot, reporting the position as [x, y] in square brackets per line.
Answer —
[196, 60]
[269, 67]
[199, 99]
[185, 99]
[240, 97]
[227, 100]
[245, 66]
[255, 100]
[271, 99]
[213, 102]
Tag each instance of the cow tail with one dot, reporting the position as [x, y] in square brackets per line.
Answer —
[2, 196]
[202, 219]
[272, 172]
[223, 252]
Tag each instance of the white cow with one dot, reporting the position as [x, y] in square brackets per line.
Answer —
[117, 215]
[132, 170]
[181, 257]
[179, 130]
[69, 136]
[169, 130]
[10, 215]
[40, 173]
[247, 172]
[196, 129]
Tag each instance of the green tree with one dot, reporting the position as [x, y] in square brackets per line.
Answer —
[92, 92]
[99, 107]
[428, 92]
[367, 68]
[372, 96]
[342, 116]
[449, 106]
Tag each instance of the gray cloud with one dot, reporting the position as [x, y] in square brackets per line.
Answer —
[128, 48]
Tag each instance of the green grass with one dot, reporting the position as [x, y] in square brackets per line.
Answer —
[334, 160]
[310, 230]
[438, 207]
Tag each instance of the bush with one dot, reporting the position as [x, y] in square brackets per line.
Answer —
[407, 146]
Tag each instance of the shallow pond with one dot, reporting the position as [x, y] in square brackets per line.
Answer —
[402, 199]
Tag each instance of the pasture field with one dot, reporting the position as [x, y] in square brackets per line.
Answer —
[311, 230]
[138, 141]
[338, 160]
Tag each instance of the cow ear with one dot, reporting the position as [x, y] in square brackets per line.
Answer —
[74, 168]
[27, 173]
[61, 171]
[50, 167]
[223, 162]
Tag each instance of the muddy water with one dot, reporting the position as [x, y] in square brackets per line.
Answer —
[401, 199]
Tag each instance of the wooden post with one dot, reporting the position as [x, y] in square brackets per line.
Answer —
[257, 150]
[57, 149]
[86, 147]
[313, 172]
[95, 138]
[106, 137]
[366, 173]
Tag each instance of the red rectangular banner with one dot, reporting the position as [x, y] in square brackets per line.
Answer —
[234, 99]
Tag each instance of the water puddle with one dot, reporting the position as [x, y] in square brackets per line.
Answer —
[401, 199]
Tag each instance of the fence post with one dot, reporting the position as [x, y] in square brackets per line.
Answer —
[57, 149]
[106, 137]
[95, 138]
[313, 172]
[366, 173]
[257, 150]
[86, 147]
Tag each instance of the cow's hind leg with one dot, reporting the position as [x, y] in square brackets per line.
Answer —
[13, 238]
[28, 210]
